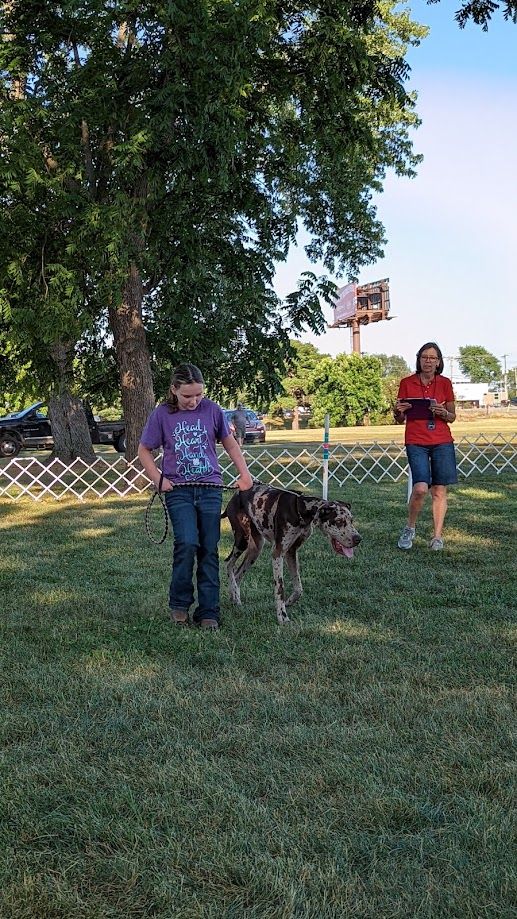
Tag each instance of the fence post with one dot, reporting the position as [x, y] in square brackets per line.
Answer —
[326, 435]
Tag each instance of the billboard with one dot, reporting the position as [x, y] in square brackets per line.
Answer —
[361, 303]
[346, 303]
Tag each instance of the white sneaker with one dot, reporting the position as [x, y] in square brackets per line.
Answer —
[436, 544]
[406, 538]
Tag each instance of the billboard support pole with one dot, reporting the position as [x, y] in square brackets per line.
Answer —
[356, 337]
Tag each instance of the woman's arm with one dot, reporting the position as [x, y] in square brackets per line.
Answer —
[400, 409]
[235, 453]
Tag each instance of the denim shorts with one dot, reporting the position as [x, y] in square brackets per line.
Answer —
[434, 464]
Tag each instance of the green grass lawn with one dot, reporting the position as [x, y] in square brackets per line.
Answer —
[465, 426]
[355, 763]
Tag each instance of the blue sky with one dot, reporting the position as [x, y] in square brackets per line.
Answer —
[451, 254]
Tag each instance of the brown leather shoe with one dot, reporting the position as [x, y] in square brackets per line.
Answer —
[211, 625]
[179, 617]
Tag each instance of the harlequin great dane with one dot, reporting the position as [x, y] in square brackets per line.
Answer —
[285, 519]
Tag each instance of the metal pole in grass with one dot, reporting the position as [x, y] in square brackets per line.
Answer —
[409, 484]
[326, 435]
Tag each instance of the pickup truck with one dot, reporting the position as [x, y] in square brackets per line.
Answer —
[31, 428]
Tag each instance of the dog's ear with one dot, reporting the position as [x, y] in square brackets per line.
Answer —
[326, 512]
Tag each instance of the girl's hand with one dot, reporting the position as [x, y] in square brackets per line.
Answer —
[244, 481]
[166, 484]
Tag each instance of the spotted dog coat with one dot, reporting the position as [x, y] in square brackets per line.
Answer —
[285, 519]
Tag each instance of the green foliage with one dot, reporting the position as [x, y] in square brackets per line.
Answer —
[181, 146]
[512, 383]
[302, 361]
[481, 11]
[347, 388]
[394, 368]
[479, 365]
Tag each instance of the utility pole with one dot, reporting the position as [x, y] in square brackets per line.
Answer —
[451, 364]
[504, 356]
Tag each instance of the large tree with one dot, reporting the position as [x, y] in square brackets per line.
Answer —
[172, 150]
[479, 365]
[348, 388]
[295, 384]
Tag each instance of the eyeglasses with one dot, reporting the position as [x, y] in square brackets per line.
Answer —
[429, 358]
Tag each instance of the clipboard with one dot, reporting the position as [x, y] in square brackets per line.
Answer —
[420, 409]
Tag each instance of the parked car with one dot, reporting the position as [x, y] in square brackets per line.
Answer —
[255, 428]
[31, 428]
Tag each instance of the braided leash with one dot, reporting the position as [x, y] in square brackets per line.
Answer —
[150, 535]
[159, 494]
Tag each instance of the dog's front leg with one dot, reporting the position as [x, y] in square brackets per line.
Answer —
[278, 576]
[294, 570]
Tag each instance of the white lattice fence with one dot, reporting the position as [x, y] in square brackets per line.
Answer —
[293, 466]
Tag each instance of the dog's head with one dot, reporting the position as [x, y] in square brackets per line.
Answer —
[334, 518]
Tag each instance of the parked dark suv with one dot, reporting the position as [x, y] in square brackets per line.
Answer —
[255, 428]
[31, 428]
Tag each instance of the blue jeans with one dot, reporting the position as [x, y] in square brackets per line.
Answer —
[195, 514]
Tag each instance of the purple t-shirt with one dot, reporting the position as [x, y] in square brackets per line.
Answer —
[188, 439]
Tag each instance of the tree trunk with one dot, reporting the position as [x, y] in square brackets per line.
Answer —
[70, 429]
[296, 418]
[133, 359]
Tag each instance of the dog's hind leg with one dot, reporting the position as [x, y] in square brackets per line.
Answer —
[278, 576]
[241, 534]
[235, 594]
[291, 557]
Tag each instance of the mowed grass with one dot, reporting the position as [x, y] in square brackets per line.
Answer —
[357, 762]
[464, 426]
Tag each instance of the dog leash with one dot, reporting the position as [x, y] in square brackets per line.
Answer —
[165, 516]
[159, 494]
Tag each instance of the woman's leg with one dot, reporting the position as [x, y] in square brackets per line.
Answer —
[444, 473]
[416, 502]
[439, 496]
[419, 463]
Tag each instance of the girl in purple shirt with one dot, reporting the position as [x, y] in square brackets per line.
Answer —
[187, 427]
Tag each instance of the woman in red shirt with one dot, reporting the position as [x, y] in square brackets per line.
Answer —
[429, 443]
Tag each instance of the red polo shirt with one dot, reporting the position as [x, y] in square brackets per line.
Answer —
[417, 431]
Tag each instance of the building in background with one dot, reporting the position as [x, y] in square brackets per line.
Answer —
[473, 395]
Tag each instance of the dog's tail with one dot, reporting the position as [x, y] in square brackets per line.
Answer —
[234, 502]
